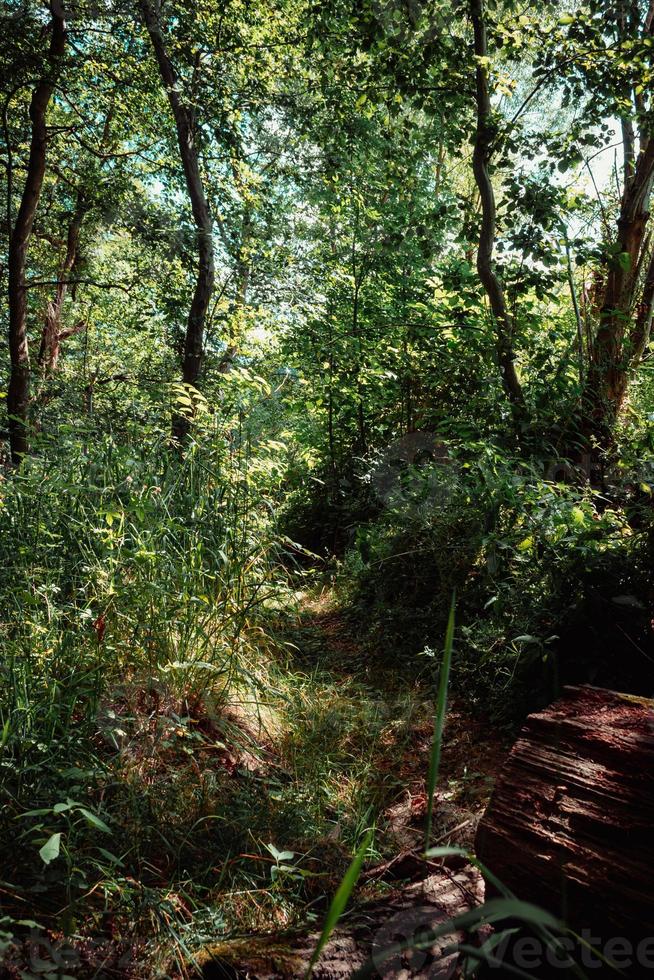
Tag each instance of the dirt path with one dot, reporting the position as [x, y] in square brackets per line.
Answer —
[402, 893]
[473, 750]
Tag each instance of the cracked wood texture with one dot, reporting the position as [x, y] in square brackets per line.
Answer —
[570, 823]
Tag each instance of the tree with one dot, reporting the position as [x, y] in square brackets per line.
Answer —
[185, 126]
[483, 147]
[628, 297]
[52, 334]
[19, 383]
[597, 61]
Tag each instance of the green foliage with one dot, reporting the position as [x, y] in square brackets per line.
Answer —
[524, 553]
[133, 571]
[177, 748]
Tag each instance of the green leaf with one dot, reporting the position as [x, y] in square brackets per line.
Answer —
[578, 516]
[340, 900]
[62, 807]
[50, 849]
[450, 851]
[4, 736]
[111, 857]
[280, 855]
[94, 821]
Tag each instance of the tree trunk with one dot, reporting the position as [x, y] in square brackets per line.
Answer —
[19, 381]
[623, 333]
[569, 825]
[617, 341]
[504, 324]
[194, 339]
[52, 334]
[643, 326]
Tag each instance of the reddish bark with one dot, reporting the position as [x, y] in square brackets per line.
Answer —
[624, 324]
[52, 334]
[619, 343]
[569, 825]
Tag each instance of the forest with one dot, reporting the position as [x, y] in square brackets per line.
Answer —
[326, 489]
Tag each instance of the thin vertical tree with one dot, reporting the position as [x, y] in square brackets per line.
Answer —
[483, 148]
[18, 399]
[185, 126]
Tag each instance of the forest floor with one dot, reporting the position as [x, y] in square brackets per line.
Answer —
[382, 718]
[473, 749]
[238, 818]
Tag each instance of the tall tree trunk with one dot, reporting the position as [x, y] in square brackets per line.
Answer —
[624, 323]
[19, 381]
[194, 339]
[617, 341]
[52, 334]
[504, 324]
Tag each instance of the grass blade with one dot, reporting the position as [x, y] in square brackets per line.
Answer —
[495, 910]
[340, 900]
[439, 721]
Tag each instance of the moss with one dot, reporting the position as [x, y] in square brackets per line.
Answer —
[251, 957]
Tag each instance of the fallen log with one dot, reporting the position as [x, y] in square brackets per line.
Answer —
[407, 911]
[570, 824]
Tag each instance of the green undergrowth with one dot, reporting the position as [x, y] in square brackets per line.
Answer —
[198, 730]
[168, 823]
[191, 749]
[553, 578]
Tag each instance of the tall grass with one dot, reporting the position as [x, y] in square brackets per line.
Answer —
[131, 558]
[439, 720]
[124, 566]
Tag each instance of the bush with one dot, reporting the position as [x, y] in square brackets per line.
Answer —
[524, 554]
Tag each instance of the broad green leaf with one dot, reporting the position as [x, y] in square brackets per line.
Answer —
[62, 807]
[280, 855]
[50, 849]
[94, 821]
